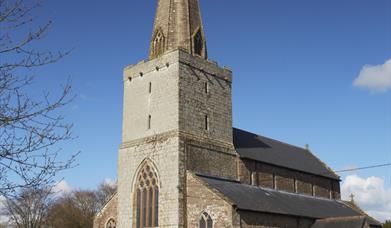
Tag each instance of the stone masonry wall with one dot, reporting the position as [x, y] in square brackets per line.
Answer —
[163, 152]
[160, 101]
[210, 159]
[205, 116]
[201, 199]
[170, 89]
[108, 212]
[269, 176]
[197, 102]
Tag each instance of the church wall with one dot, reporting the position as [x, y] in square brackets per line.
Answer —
[246, 168]
[177, 103]
[196, 102]
[205, 116]
[269, 176]
[109, 211]
[336, 190]
[200, 198]
[203, 159]
[265, 179]
[160, 102]
[285, 183]
[164, 152]
[264, 220]
[304, 187]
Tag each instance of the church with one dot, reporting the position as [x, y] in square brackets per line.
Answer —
[182, 164]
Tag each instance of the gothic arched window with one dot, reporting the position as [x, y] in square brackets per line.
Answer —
[158, 44]
[111, 224]
[198, 43]
[146, 198]
[205, 221]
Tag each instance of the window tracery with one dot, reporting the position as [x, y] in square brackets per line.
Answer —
[205, 221]
[147, 198]
[111, 224]
[158, 44]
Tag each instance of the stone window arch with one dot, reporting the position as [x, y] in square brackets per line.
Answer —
[111, 223]
[198, 43]
[205, 221]
[158, 44]
[146, 197]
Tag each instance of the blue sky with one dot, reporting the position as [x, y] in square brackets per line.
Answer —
[294, 65]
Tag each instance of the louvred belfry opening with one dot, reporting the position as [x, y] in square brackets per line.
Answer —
[178, 25]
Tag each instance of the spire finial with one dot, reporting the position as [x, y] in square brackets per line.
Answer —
[178, 25]
[307, 146]
[352, 198]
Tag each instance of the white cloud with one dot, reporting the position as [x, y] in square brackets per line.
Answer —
[61, 188]
[370, 194]
[375, 78]
[110, 182]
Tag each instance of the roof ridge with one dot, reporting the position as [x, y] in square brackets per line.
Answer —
[324, 164]
[356, 208]
[112, 196]
[275, 140]
[297, 147]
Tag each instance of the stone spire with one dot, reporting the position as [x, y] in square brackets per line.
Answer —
[178, 25]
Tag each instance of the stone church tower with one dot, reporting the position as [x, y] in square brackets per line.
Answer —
[175, 102]
[182, 164]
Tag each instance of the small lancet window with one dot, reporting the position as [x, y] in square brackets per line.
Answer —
[147, 198]
[206, 120]
[158, 44]
[111, 224]
[198, 43]
[149, 121]
[150, 87]
[206, 87]
[205, 221]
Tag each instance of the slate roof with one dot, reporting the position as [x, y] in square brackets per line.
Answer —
[253, 198]
[343, 222]
[263, 149]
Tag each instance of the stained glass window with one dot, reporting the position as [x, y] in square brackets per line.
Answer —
[205, 221]
[147, 198]
[111, 224]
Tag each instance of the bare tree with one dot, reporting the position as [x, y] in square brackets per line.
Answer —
[30, 127]
[74, 210]
[29, 209]
[104, 193]
[78, 208]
